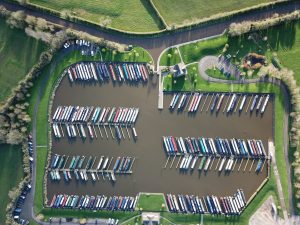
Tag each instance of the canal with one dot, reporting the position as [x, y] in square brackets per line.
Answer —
[148, 172]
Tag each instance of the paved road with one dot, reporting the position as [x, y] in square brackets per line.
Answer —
[155, 45]
[28, 207]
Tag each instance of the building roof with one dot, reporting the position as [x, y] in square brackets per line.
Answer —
[179, 69]
[150, 218]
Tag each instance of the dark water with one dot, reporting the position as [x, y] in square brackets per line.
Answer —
[148, 172]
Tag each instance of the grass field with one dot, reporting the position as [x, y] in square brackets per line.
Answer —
[18, 53]
[178, 11]
[133, 15]
[137, 54]
[151, 202]
[11, 173]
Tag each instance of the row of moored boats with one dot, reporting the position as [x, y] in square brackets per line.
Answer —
[229, 205]
[95, 115]
[235, 101]
[81, 166]
[99, 202]
[102, 71]
[216, 147]
[75, 118]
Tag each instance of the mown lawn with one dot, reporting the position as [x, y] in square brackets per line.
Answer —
[178, 11]
[170, 57]
[151, 202]
[18, 53]
[11, 173]
[216, 73]
[44, 89]
[133, 15]
[195, 51]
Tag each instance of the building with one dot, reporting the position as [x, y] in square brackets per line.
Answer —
[179, 70]
[149, 218]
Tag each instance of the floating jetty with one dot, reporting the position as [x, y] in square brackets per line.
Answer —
[210, 204]
[102, 71]
[99, 202]
[76, 118]
[93, 166]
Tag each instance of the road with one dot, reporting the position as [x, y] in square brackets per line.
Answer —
[155, 45]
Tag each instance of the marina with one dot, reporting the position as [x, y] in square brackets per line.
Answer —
[149, 173]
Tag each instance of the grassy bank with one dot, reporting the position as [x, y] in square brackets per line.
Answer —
[134, 15]
[11, 173]
[178, 12]
[43, 90]
[18, 53]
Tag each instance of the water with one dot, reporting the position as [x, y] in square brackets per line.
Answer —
[148, 172]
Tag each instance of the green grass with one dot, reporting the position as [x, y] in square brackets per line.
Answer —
[32, 222]
[133, 15]
[195, 51]
[137, 54]
[18, 53]
[42, 124]
[178, 11]
[170, 57]
[11, 173]
[151, 202]
[71, 213]
[216, 73]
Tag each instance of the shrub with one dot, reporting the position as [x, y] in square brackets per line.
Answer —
[236, 29]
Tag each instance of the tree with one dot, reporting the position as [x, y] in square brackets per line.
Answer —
[41, 24]
[17, 19]
[14, 137]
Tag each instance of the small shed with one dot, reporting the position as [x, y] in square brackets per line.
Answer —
[149, 218]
